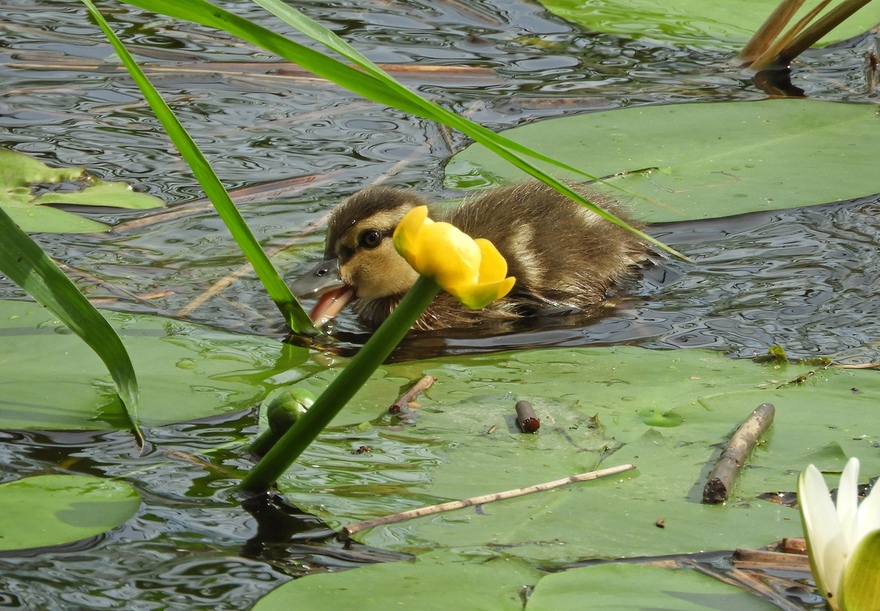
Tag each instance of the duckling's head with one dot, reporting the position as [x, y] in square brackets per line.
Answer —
[360, 261]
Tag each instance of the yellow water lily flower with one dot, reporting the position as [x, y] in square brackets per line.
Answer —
[473, 271]
[843, 540]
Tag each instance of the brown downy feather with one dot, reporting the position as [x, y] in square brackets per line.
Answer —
[563, 256]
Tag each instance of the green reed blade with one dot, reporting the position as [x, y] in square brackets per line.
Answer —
[25, 263]
[278, 290]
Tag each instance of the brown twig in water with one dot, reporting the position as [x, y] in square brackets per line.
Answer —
[185, 456]
[121, 292]
[768, 32]
[761, 559]
[772, 56]
[479, 500]
[812, 34]
[406, 398]
[791, 545]
[736, 451]
[227, 280]
[770, 50]
[287, 187]
[526, 418]
[743, 579]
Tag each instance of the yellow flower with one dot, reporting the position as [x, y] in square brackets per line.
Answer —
[471, 270]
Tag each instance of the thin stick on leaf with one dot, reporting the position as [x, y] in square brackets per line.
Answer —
[479, 500]
[874, 365]
[757, 558]
[734, 455]
[423, 384]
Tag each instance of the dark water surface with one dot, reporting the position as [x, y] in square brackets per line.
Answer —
[801, 278]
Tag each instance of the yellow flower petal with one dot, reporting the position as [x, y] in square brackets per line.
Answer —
[492, 265]
[449, 256]
[407, 232]
[478, 296]
[471, 270]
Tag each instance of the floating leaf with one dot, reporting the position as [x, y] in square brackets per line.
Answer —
[20, 173]
[104, 194]
[710, 24]
[707, 160]
[664, 411]
[434, 581]
[57, 509]
[638, 587]
[50, 380]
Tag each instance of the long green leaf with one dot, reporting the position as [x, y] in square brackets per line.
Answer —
[24, 262]
[278, 290]
[370, 82]
[505, 148]
[321, 34]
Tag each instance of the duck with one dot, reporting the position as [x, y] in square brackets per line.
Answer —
[565, 257]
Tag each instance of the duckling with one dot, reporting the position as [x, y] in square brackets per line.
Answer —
[564, 257]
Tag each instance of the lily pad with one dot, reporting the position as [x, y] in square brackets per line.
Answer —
[49, 379]
[21, 173]
[433, 581]
[637, 587]
[57, 509]
[598, 407]
[708, 24]
[705, 160]
[25, 263]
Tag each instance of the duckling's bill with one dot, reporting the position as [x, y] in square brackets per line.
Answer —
[330, 304]
[323, 281]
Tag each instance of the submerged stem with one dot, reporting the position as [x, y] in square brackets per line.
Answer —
[343, 388]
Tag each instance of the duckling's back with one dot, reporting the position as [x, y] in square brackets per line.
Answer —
[563, 255]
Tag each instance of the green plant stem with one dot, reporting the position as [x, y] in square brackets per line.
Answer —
[343, 388]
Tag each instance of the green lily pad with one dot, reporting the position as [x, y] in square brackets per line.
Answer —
[56, 509]
[49, 379]
[665, 412]
[637, 587]
[433, 581]
[705, 160]
[708, 24]
[20, 173]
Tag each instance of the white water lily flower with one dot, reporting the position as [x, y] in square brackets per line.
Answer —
[843, 541]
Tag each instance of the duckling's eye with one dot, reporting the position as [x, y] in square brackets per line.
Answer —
[370, 238]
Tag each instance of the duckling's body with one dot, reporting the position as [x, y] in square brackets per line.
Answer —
[563, 256]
